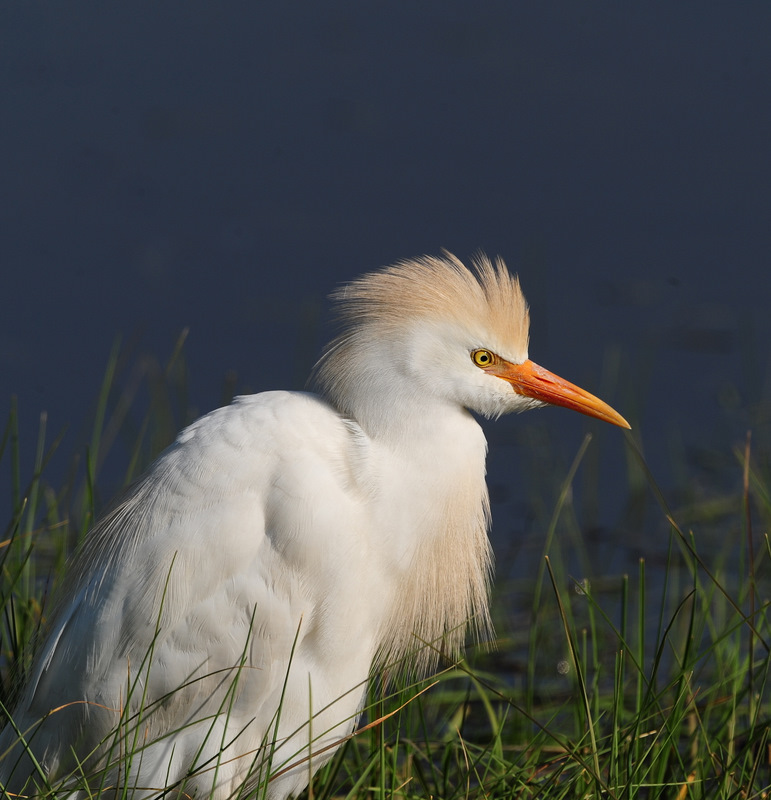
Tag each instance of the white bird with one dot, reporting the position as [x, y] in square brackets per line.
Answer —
[222, 619]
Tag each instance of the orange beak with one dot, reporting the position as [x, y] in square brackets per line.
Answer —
[530, 380]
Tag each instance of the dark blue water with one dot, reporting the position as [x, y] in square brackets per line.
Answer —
[223, 166]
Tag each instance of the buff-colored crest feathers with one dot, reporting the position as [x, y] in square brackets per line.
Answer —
[486, 297]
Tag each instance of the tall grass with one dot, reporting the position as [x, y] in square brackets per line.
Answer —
[639, 684]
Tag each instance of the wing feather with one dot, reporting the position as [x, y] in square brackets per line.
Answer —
[195, 573]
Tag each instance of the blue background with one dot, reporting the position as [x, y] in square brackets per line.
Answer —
[222, 166]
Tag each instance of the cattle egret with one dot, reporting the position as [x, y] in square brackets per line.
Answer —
[221, 621]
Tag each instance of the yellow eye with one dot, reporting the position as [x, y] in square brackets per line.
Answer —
[483, 358]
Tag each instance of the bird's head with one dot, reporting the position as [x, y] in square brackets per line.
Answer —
[429, 331]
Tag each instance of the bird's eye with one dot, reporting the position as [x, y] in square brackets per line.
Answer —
[483, 358]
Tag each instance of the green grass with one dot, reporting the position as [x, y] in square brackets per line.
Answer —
[643, 683]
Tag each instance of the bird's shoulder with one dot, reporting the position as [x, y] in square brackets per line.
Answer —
[245, 442]
[265, 420]
[223, 477]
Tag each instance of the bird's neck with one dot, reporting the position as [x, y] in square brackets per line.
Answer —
[430, 508]
[434, 511]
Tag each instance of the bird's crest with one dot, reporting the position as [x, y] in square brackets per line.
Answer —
[487, 297]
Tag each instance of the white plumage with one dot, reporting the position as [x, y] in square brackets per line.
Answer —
[285, 544]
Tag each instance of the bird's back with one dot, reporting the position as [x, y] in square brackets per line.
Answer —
[190, 599]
